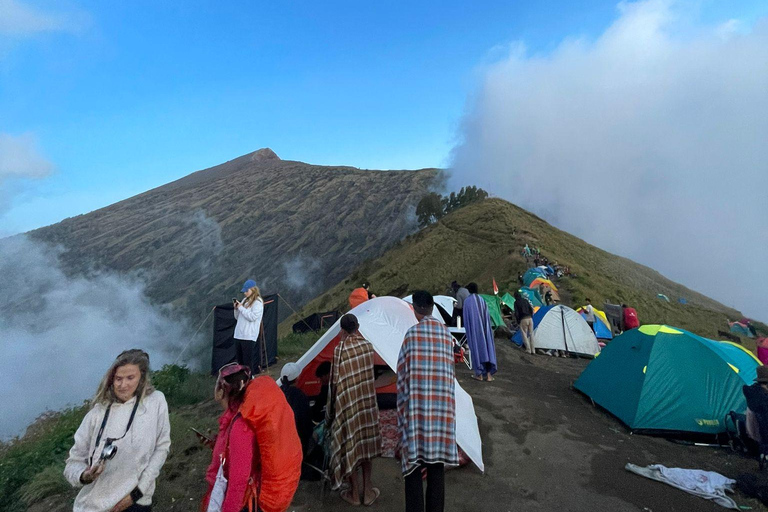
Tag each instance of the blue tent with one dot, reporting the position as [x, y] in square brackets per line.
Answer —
[531, 274]
[517, 338]
[602, 331]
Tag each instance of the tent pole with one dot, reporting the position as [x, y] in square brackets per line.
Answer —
[565, 338]
[193, 336]
[296, 313]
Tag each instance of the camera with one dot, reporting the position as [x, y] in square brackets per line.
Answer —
[109, 451]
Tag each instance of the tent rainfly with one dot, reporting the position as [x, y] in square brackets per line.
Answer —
[660, 379]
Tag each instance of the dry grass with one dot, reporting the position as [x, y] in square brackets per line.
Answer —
[483, 241]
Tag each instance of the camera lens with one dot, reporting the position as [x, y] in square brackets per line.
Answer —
[109, 451]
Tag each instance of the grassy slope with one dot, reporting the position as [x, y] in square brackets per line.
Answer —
[483, 241]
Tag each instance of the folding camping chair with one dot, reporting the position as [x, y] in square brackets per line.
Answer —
[460, 341]
[320, 440]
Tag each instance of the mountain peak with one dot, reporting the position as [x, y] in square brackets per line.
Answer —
[264, 154]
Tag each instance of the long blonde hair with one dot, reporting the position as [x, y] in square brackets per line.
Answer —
[256, 295]
[106, 394]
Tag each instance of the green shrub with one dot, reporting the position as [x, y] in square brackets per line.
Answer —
[48, 482]
[46, 444]
[181, 386]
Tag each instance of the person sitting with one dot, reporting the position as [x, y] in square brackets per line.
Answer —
[757, 412]
[298, 401]
[323, 373]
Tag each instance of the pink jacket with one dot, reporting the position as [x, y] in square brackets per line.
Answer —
[239, 467]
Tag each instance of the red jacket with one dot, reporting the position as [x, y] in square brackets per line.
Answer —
[630, 319]
[239, 467]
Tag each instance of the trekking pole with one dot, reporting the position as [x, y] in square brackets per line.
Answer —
[193, 336]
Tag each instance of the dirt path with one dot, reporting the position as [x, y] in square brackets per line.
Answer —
[546, 448]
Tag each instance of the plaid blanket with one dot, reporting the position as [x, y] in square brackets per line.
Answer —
[352, 410]
[426, 411]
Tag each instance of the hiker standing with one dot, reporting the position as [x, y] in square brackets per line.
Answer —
[548, 298]
[426, 410]
[248, 313]
[352, 415]
[590, 311]
[360, 295]
[122, 442]
[524, 317]
[460, 293]
[256, 461]
[482, 348]
[233, 448]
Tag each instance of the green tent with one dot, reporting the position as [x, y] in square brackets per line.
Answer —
[660, 378]
[508, 300]
[494, 309]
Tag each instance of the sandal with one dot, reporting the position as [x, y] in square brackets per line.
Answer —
[490, 379]
[477, 378]
[376, 494]
[346, 495]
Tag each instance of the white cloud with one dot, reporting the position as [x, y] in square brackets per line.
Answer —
[19, 20]
[644, 142]
[20, 158]
[59, 333]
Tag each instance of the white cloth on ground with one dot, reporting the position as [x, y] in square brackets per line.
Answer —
[704, 484]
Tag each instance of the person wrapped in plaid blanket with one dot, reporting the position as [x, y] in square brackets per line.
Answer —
[353, 415]
[426, 409]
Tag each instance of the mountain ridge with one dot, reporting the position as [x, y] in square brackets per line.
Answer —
[482, 242]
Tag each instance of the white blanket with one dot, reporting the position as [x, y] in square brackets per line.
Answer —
[704, 484]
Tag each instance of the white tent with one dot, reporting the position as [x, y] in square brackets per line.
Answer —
[444, 301]
[383, 322]
[562, 328]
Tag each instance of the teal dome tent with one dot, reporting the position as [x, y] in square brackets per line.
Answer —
[663, 379]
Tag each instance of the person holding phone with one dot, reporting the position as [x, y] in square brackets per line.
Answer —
[122, 442]
[248, 313]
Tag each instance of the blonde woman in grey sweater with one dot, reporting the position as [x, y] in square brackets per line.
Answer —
[122, 442]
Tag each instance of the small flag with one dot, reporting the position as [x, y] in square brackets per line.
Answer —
[495, 287]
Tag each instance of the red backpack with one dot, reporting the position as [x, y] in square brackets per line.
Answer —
[278, 447]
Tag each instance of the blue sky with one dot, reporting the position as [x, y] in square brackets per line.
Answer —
[119, 97]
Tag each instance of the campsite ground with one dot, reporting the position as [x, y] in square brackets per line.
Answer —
[547, 448]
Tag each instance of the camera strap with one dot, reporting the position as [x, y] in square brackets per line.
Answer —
[104, 424]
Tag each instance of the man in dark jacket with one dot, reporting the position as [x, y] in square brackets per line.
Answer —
[524, 316]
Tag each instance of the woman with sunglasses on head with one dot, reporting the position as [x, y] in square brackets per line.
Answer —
[233, 449]
[257, 456]
[248, 314]
[122, 442]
